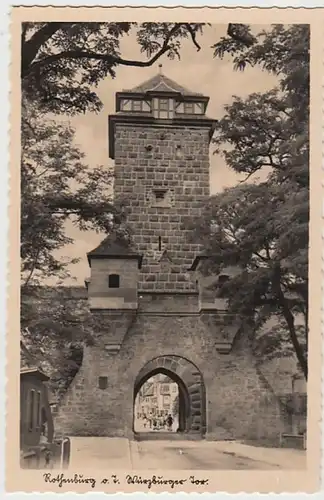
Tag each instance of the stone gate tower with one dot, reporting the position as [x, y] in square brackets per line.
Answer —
[149, 311]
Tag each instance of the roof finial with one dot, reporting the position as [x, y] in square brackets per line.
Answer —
[160, 69]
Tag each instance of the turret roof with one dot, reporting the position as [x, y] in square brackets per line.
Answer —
[114, 246]
[162, 83]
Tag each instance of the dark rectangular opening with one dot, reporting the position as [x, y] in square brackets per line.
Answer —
[103, 382]
[113, 281]
[38, 409]
[159, 194]
[31, 410]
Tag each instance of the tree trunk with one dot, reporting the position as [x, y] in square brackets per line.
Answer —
[292, 331]
[30, 48]
[290, 322]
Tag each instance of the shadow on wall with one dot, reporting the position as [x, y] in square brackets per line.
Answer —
[65, 371]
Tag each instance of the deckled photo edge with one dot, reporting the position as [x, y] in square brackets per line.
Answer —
[262, 481]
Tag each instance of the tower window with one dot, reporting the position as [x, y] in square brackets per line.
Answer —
[159, 195]
[137, 106]
[164, 104]
[189, 108]
[160, 243]
[103, 383]
[113, 280]
[164, 108]
[160, 198]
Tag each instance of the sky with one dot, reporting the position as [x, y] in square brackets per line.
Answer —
[199, 72]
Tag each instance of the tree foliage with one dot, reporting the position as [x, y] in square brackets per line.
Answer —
[57, 185]
[261, 228]
[62, 63]
[54, 328]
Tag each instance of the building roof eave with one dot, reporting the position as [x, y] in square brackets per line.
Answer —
[34, 371]
[137, 257]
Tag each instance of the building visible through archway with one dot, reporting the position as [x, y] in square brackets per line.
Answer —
[157, 406]
[187, 407]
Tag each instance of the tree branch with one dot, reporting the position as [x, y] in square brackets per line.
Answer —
[113, 60]
[32, 269]
[193, 37]
[247, 177]
[24, 28]
[30, 48]
[241, 35]
[264, 259]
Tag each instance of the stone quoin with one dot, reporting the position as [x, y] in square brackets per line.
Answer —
[152, 313]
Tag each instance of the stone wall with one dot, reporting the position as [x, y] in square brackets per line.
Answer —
[175, 160]
[238, 402]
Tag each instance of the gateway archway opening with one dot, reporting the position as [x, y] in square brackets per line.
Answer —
[183, 383]
[161, 404]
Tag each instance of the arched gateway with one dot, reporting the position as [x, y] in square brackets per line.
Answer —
[192, 395]
[149, 309]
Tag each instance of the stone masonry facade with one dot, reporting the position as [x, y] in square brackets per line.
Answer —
[141, 171]
[238, 402]
[155, 320]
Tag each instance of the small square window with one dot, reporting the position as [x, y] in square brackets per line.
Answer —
[160, 195]
[113, 281]
[103, 382]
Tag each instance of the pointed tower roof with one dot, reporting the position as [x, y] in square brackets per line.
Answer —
[161, 83]
[113, 247]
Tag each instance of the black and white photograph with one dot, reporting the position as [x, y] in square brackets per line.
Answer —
[164, 249]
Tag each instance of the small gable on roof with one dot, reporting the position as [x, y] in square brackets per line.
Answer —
[161, 83]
